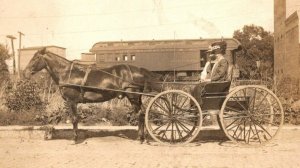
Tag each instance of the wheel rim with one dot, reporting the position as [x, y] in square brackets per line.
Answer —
[173, 117]
[251, 115]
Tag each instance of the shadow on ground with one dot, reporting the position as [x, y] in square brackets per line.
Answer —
[203, 137]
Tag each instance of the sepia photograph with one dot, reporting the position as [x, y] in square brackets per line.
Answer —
[150, 83]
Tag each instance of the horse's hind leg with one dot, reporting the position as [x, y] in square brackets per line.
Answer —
[136, 103]
[74, 114]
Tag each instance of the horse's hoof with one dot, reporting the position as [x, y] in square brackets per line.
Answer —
[141, 140]
[74, 142]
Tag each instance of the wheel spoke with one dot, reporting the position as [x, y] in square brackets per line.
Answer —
[166, 131]
[260, 103]
[236, 130]
[233, 109]
[182, 120]
[184, 129]
[232, 123]
[239, 123]
[235, 116]
[250, 129]
[172, 133]
[263, 129]
[161, 107]
[186, 98]
[245, 130]
[166, 102]
[258, 115]
[267, 122]
[158, 113]
[257, 133]
[157, 119]
[179, 132]
[253, 100]
[183, 126]
[173, 104]
[159, 127]
[239, 134]
[239, 103]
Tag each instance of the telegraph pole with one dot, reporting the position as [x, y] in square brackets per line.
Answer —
[20, 44]
[12, 38]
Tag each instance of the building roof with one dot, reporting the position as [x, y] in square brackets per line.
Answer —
[292, 17]
[88, 53]
[154, 44]
[39, 47]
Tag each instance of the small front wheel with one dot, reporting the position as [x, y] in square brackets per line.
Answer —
[173, 117]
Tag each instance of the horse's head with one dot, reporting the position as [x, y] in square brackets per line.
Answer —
[36, 64]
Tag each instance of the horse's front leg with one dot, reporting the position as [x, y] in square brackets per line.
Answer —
[74, 117]
[142, 131]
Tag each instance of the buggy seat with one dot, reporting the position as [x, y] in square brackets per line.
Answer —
[213, 95]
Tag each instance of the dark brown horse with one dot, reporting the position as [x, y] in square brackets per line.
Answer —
[118, 77]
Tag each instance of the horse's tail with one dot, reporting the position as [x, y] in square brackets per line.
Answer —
[151, 75]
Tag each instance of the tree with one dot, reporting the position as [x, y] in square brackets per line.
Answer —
[4, 74]
[257, 45]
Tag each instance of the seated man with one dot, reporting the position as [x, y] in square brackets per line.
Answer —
[215, 69]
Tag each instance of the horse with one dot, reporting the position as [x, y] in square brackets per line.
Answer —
[122, 77]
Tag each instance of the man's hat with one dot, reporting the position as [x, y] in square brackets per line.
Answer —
[217, 46]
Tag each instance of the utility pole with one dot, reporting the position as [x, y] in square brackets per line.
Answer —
[20, 44]
[12, 38]
[174, 64]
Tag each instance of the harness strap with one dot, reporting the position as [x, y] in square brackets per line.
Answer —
[87, 72]
[83, 82]
[70, 71]
[129, 69]
[118, 77]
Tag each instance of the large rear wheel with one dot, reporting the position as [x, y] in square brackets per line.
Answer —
[251, 115]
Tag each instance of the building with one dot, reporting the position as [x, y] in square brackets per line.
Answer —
[87, 58]
[287, 38]
[27, 53]
[181, 56]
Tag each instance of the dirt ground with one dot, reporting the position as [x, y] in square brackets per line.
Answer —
[118, 151]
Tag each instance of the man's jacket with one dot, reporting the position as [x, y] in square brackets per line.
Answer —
[219, 70]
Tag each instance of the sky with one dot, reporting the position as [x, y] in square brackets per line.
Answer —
[78, 24]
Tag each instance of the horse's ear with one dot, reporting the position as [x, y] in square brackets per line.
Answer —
[43, 51]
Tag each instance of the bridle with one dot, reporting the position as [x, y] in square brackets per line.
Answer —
[42, 57]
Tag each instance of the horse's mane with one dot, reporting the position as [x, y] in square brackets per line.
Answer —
[58, 56]
[78, 66]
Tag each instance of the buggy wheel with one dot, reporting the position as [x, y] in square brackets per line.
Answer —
[173, 117]
[251, 115]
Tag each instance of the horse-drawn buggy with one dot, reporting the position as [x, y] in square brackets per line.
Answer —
[250, 114]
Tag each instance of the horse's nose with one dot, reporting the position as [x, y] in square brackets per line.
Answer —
[25, 74]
